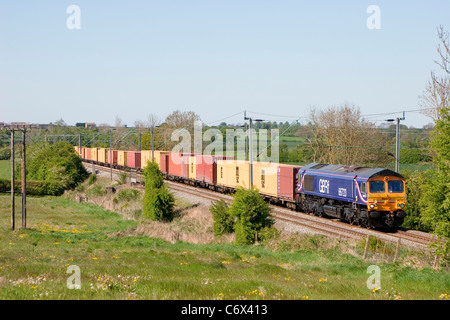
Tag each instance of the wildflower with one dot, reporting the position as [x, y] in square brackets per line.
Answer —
[323, 280]
[375, 290]
[444, 296]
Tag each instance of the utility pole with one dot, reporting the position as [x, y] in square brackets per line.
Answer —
[153, 145]
[13, 218]
[397, 141]
[24, 183]
[250, 119]
[110, 152]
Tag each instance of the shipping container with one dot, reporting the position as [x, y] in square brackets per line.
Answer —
[77, 149]
[134, 159]
[265, 177]
[83, 152]
[192, 167]
[233, 173]
[94, 154]
[206, 167]
[122, 158]
[178, 165]
[88, 153]
[146, 155]
[164, 162]
[287, 181]
[101, 154]
[111, 154]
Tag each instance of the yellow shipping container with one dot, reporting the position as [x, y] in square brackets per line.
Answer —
[265, 177]
[192, 168]
[146, 155]
[121, 158]
[101, 154]
[232, 173]
[77, 149]
[94, 154]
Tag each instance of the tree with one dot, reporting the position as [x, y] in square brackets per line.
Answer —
[342, 136]
[435, 201]
[437, 93]
[158, 200]
[252, 213]
[55, 162]
[223, 220]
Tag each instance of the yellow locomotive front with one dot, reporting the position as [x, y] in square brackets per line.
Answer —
[386, 200]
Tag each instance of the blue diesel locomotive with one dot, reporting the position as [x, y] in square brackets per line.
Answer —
[369, 197]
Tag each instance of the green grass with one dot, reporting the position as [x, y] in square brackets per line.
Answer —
[117, 263]
[5, 169]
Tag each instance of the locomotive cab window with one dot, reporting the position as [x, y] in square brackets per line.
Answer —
[376, 186]
[395, 186]
[363, 187]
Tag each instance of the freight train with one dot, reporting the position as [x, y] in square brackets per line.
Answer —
[369, 197]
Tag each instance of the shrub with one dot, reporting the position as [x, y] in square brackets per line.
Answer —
[223, 221]
[5, 153]
[127, 194]
[56, 162]
[252, 212]
[122, 178]
[92, 179]
[153, 176]
[35, 188]
[158, 201]
[158, 204]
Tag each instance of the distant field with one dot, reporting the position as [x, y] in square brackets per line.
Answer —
[5, 169]
[117, 262]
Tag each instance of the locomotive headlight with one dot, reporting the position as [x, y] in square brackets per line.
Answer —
[401, 205]
[372, 206]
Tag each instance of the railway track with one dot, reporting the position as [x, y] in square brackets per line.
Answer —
[331, 227]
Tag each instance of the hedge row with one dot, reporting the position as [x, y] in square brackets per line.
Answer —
[34, 187]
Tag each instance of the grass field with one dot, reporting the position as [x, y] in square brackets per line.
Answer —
[5, 169]
[116, 262]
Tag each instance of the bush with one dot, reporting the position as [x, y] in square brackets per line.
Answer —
[414, 156]
[158, 201]
[223, 221]
[127, 194]
[35, 188]
[56, 162]
[5, 153]
[122, 178]
[158, 204]
[252, 212]
[92, 179]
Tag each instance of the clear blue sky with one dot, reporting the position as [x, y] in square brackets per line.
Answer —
[216, 58]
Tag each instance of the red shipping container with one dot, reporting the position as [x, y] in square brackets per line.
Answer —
[134, 159]
[178, 165]
[287, 181]
[164, 163]
[83, 153]
[88, 153]
[114, 156]
[206, 167]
